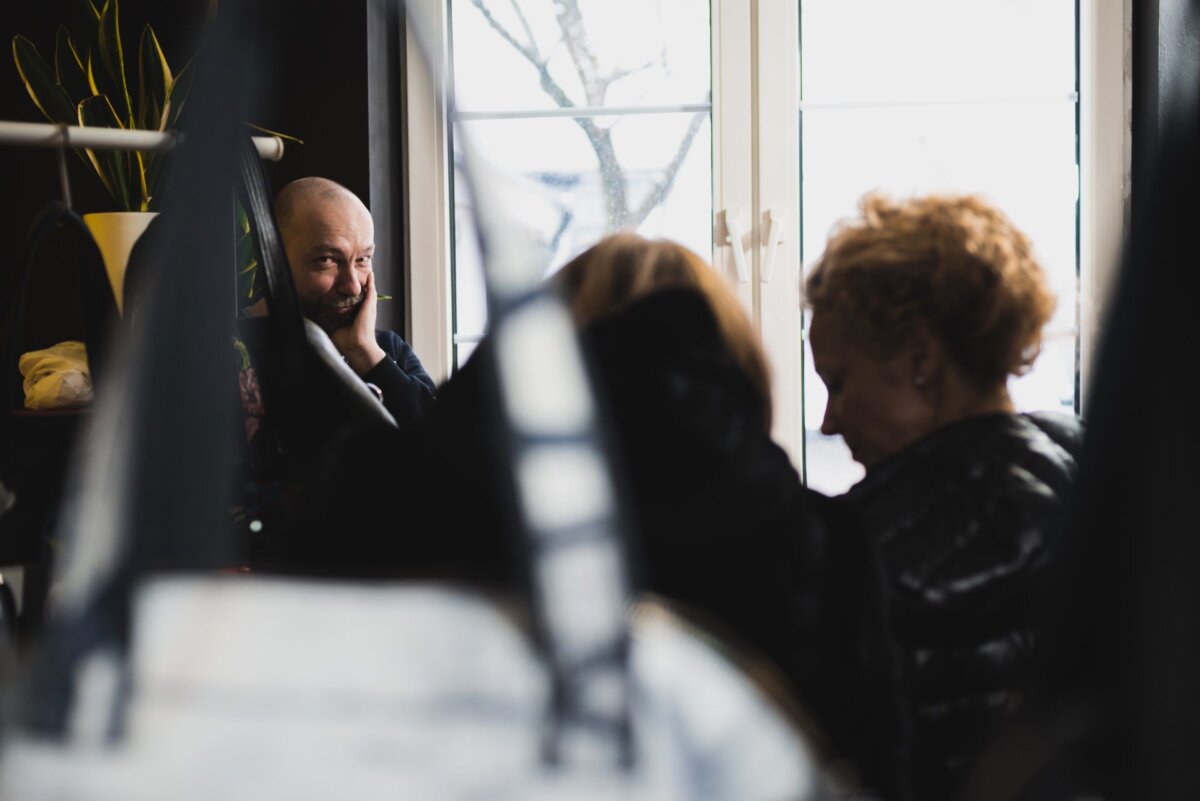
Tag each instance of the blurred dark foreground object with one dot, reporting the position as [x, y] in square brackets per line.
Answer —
[721, 524]
[59, 292]
[1119, 717]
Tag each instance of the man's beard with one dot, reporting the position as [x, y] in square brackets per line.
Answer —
[331, 310]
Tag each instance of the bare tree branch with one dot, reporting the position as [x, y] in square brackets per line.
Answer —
[617, 75]
[525, 26]
[529, 51]
[595, 86]
[663, 187]
[574, 35]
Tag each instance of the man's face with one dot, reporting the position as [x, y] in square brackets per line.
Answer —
[330, 242]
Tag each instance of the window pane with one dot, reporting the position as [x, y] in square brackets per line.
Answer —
[930, 96]
[614, 53]
[854, 50]
[659, 185]
[829, 466]
[1050, 386]
[1021, 156]
[524, 65]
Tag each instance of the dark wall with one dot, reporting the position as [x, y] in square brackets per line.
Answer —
[318, 58]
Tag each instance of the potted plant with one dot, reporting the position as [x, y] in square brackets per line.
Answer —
[91, 83]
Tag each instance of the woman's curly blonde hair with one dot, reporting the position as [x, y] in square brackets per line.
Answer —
[953, 263]
[623, 267]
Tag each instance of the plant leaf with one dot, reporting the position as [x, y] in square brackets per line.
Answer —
[268, 132]
[98, 111]
[140, 165]
[68, 68]
[154, 81]
[177, 97]
[112, 55]
[91, 76]
[47, 93]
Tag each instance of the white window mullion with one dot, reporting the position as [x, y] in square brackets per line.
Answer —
[777, 193]
[428, 234]
[1104, 156]
[732, 137]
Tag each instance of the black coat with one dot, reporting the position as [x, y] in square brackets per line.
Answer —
[966, 523]
[725, 527]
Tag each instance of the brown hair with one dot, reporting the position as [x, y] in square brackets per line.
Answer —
[953, 263]
[623, 267]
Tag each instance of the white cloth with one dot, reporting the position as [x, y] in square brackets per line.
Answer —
[255, 689]
[57, 377]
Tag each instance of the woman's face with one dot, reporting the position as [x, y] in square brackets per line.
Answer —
[877, 406]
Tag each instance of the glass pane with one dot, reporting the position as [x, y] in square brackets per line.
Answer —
[828, 466]
[470, 296]
[1050, 385]
[596, 53]
[948, 107]
[659, 185]
[882, 50]
[1020, 156]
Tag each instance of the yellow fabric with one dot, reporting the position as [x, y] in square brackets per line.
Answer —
[57, 377]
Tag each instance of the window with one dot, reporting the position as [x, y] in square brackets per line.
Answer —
[600, 108]
[677, 118]
[944, 96]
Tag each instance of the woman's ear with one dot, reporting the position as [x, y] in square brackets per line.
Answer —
[925, 357]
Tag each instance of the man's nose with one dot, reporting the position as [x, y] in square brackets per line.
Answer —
[348, 282]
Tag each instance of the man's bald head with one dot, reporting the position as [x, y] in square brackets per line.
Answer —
[303, 194]
[329, 238]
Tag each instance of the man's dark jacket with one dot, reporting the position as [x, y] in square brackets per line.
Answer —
[408, 391]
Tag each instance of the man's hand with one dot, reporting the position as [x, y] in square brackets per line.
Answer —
[356, 342]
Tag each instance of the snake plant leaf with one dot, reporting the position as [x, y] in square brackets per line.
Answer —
[91, 75]
[47, 93]
[173, 106]
[111, 166]
[154, 81]
[112, 56]
[269, 132]
[68, 67]
[177, 97]
[140, 163]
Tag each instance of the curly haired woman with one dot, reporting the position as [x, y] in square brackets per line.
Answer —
[921, 310]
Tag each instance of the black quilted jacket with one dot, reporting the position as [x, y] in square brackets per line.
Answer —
[966, 522]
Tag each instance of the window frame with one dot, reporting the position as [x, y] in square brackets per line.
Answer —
[756, 171]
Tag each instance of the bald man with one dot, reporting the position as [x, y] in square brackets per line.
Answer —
[329, 238]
